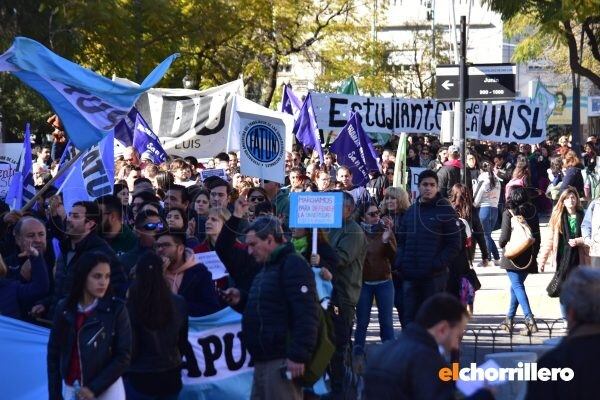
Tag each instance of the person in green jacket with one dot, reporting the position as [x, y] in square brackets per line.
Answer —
[350, 243]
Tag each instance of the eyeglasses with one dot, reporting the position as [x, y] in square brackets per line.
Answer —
[373, 214]
[152, 226]
[163, 245]
[389, 172]
[257, 198]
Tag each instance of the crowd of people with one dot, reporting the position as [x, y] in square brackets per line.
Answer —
[117, 278]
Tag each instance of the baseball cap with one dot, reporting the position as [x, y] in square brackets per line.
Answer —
[453, 149]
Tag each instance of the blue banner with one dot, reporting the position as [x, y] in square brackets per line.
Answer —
[22, 188]
[223, 360]
[92, 176]
[354, 150]
[89, 105]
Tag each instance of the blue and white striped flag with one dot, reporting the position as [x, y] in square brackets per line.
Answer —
[89, 105]
[21, 188]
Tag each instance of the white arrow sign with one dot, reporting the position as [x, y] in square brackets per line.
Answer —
[447, 84]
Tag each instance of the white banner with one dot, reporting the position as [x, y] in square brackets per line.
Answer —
[507, 122]
[414, 182]
[262, 136]
[190, 122]
[9, 158]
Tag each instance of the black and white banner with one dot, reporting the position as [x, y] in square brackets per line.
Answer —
[190, 122]
[506, 122]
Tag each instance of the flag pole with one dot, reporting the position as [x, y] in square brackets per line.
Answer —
[47, 186]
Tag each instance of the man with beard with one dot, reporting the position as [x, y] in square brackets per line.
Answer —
[82, 224]
[118, 236]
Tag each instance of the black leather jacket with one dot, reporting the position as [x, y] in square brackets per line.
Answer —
[156, 350]
[104, 343]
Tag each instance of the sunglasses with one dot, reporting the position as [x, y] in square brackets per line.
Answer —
[257, 198]
[373, 214]
[151, 226]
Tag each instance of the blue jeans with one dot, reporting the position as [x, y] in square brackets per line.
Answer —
[383, 293]
[518, 294]
[417, 291]
[488, 217]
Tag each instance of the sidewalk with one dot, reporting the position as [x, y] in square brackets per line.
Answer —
[491, 303]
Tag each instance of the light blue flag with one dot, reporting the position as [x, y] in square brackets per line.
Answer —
[21, 188]
[23, 355]
[64, 159]
[223, 359]
[89, 105]
[544, 99]
[92, 175]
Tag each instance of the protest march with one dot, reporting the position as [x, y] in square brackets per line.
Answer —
[171, 243]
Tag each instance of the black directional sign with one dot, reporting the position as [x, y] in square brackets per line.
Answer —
[486, 82]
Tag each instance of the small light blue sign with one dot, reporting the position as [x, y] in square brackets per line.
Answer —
[316, 210]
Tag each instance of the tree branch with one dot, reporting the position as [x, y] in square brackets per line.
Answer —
[593, 41]
[574, 61]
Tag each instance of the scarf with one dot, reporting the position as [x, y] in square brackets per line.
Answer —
[300, 244]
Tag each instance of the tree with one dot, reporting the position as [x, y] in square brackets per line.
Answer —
[556, 22]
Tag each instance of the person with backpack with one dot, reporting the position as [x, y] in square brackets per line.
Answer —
[520, 239]
[565, 246]
[280, 311]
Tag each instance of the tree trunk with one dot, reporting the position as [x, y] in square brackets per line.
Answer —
[273, 67]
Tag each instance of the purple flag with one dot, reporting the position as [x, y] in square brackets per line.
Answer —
[290, 103]
[134, 131]
[354, 150]
[306, 129]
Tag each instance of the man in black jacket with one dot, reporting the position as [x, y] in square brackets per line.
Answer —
[428, 240]
[580, 349]
[409, 367]
[280, 313]
[82, 223]
[449, 173]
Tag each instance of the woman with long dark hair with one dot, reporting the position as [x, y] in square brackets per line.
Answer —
[90, 343]
[461, 281]
[518, 268]
[486, 199]
[564, 246]
[159, 324]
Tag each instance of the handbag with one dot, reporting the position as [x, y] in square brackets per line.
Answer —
[521, 237]
[471, 276]
[553, 288]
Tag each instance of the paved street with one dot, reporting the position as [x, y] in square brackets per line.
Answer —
[491, 304]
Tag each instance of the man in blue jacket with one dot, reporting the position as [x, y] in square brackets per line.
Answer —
[429, 238]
